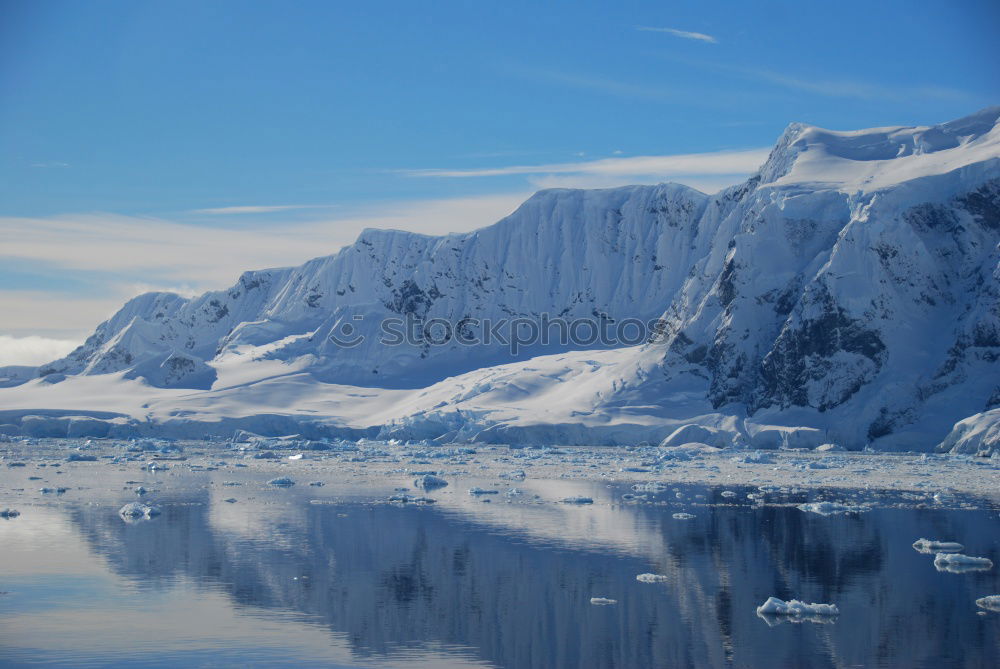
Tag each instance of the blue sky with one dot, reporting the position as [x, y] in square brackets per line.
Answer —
[268, 132]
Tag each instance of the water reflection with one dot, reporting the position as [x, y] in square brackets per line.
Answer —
[510, 585]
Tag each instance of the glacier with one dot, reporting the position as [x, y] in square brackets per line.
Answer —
[847, 293]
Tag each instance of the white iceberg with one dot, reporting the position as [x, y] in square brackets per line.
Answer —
[831, 508]
[683, 516]
[990, 603]
[138, 511]
[795, 608]
[430, 482]
[651, 578]
[957, 563]
[931, 546]
[283, 482]
[577, 500]
[602, 601]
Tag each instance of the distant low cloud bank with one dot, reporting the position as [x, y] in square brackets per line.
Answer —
[33, 350]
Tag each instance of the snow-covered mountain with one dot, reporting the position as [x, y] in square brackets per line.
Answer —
[849, 291]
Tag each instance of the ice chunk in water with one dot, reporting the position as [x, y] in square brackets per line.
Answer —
[957, 563]
[990, 603]
[683, 516]
[138, 510]
[602, 601]
[831, 508]
[930, 546]
[794, 607]
[577, 500]
[430, 482]
[283, 481]
[651, 578]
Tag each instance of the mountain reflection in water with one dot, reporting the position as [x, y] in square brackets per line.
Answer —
[510, 585]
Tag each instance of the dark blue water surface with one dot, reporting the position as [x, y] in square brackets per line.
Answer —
[338, 577]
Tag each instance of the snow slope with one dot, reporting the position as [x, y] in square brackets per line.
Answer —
[847, 292]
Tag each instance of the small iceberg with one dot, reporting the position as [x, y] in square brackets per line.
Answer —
[430, 482]
[577, 500]
[831, 508]
[602, 601]
[138, 511]
[795, 609]
[683, 516]
[651, 578]
[9, 513]
[957, 563]
[990, 603]
[482, 491]
[282, 482]
[930, 546]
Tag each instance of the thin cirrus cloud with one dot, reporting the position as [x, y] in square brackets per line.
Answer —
[685, 34]
[258, 209]
[713, 163]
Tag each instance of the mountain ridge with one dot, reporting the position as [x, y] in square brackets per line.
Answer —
[788, 303]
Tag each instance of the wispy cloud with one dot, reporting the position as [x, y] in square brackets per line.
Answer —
[848, 88]
[257, 209]
[719, 162]
[33, 350]
[686, 34]
[827, 86]
[50, 165]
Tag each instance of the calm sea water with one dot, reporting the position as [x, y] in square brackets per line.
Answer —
[335, 576]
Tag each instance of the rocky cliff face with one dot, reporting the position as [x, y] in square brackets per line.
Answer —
[852, 284]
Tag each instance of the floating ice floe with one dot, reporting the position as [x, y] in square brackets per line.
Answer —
[282, 481]
[430, 482]
[831, 508]
[651, 578]
[930, 546]
[728, 493]
[9, 513]
[795, 608]
[482, 491]
[602, 601]
[516, 475]
[754, 458]
[316, 484]
[138, 511]
[577, 500]
[297, 456]
[409, 499]
[990, 603]
[79, 457]
[957, 563]
[683, 516]
[652, 486]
